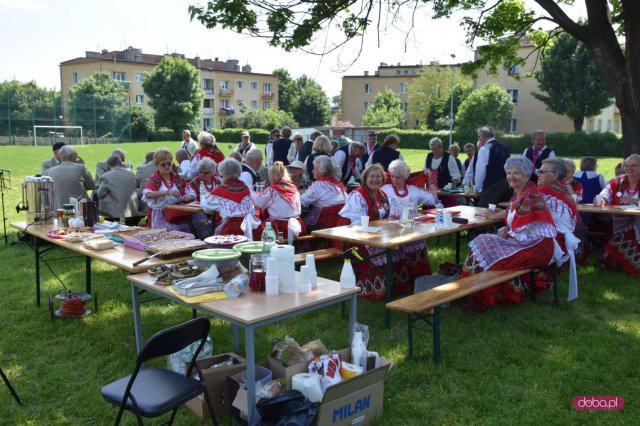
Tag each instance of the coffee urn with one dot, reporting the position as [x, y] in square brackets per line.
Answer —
[37, 199]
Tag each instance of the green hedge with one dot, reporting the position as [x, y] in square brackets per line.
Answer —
[258, 136]
[163, 135]
[414, 139]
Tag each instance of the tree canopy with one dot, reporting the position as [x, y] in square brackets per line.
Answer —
[570, 81]
[611, 32]
[267, 119]
[24, 104]
[385, 111]
[489, 105]
[311, 106]
[173, 89]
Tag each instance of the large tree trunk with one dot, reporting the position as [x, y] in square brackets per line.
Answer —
[577, 124]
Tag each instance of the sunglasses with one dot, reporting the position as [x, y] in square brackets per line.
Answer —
[165, 164]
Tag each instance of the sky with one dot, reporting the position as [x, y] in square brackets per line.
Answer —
[36, 35]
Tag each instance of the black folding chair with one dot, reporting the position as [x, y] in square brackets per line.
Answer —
[11, 389]
[152, 392]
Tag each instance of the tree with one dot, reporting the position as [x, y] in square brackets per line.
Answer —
[287, 95]
[312, 106]
[611, 33]
[440, 111]
[385, 111]
[336, 102]
[489, 105]
[100, 105]
[173, 89]
[267, 119]
[23, 105]
[570, 81]
[142, 122]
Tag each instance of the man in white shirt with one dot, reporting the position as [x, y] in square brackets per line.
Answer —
[188, 144]
[250, 167]
[490, 177]
[182, 157]
[538, 152]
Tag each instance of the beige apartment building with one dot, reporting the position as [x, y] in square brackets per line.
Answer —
[529, 114]
[226, 85]
[359, 91]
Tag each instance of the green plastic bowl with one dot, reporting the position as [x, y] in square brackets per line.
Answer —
[224, 259]
[247, 249]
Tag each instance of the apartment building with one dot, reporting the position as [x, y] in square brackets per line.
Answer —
[226, 85]
[359, 91]
[529, 114]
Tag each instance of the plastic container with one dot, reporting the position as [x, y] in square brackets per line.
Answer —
[225, 241]
[347, 277]
[439, 215]
[224, 259]
[263, 376]
[247, 249]
[236, 286]
[268, 237]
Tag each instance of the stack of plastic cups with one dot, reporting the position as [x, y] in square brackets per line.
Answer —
[305, 285]
[313, 274]
[271, 279]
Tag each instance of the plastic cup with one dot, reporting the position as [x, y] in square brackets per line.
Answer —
[364, 221]
[447, 219]
[492, 207]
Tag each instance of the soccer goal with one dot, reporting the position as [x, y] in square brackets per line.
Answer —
[53, 134]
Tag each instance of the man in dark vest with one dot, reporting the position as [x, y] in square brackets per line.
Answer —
[250, 167]
[346, 157]
[490, 177]
[538, 153]
[305, 149]
[439, 159]
[371, 145]
[387, 153]
[280, 147]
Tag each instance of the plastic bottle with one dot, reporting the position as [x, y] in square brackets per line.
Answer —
[268, 238]
[439, 215]
[281, 238]
[236, 286]
[347, 277]
[130, 165]
[357, 349]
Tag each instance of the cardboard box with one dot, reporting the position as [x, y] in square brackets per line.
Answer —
[353, 402]
[217, 386]
[281, 372]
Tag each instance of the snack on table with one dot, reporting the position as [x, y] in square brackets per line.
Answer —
[126, 233]
[163, 236]
[176, 246]
[80, 236]
[70, 230]
[225, 241]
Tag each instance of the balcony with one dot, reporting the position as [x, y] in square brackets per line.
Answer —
[208, 90]
[207, 111]
[125, 84]
[226, 92]
[267, 95]
[227, 111]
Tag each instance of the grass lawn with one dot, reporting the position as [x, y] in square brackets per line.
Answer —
[512, 365]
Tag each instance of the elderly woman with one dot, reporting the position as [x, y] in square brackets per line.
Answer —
[199, 187]
[454, 150]
[441, 164]
[563, 209]
[526, 242]
[232, 201]
[326, 195]
[208, 149]
[165, 188]
[387, 153]
[573, 186]
[321, 146]
[297, 175]
[292, 155]
[370, 200]
[281, 201]
[470, 150]
[624, 247]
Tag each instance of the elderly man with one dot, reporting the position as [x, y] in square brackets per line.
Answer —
[70, 178]
[53, 161]
[445, 163]
[250, 167]
[538, 153]
[245, 144]
[117, 193]
[102, 166]
[489, 174]
[188, 144]
[346, 157]
[371, 145]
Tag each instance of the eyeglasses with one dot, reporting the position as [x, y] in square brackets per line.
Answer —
[298, 139]
[541, 172]
[165, 164]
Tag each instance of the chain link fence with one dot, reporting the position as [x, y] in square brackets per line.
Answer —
[38, 121]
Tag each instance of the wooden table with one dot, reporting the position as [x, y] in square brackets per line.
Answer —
[392, 235]
[120, 256]
[250, 311]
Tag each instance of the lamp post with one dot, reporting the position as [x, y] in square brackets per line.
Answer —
[453, 71]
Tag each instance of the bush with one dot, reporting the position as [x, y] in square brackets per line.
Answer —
[164, 135]
[257, 136]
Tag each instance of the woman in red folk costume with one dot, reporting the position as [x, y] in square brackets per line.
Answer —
[526, 242]
[208, 149]
[624, 247]
[326, 195]
[370, 200]
[165, 188]
[232, 201]
[573, 186]
[281, 201]
[199, 187]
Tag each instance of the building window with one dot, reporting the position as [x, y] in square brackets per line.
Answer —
[140, 99]
[404, 106]
[207, 103]
[404, 88]
[74, 78]
[224, 84]
[239, 84]
[417, 123]
[139, 77]
[514, 95]
[206, 123]
[224, 103]
[599, 125]
[398, 72]
[512, 125]
[254, 104]
[120, 76]
[266, 105]
[266, 88]
[254, 85]
[367, 88]
[406, 72]
[514, 71]
[239, 103]
[207, 85]
[366, 106]
[608, 125]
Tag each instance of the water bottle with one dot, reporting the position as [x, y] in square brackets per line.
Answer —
[130, 165]
[236, 286]
[268, 238]
[439, 215]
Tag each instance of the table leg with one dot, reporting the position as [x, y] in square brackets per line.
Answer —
[353, 316]
[388, 282]
[37, 252]
[87, 272]
[137, 320]
[249, 353]
[234, 337]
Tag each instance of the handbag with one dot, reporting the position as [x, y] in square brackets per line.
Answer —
[175, 216]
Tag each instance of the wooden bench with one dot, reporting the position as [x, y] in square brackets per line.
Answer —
[425, 306]
[320, 255]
